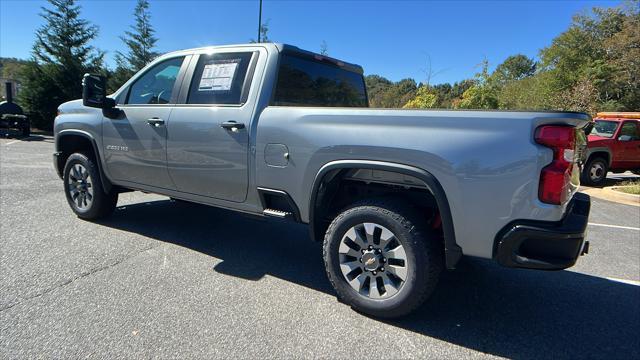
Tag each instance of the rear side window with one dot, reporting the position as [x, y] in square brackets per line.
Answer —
[307, 82]
[220, 79]
[630, 128]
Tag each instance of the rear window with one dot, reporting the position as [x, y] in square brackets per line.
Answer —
[307, 82]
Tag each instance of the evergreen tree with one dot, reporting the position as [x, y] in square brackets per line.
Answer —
[140, 42]
[61, 55]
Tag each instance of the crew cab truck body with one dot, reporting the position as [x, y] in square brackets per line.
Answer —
[273, 130]
[614, 145]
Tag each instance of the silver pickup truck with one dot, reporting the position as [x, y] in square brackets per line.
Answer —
[272, 130]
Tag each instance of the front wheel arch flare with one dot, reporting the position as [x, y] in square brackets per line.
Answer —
[69, 135]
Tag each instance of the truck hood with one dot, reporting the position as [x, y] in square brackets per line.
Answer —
[597, 141]
[71, 107]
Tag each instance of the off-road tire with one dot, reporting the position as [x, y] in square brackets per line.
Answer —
[102, 203]
[422, 247]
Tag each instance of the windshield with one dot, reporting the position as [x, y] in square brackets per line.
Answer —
[604, 128]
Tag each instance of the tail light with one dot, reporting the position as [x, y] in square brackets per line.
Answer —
[555, 178]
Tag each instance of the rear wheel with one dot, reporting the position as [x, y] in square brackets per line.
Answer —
[83, 188]
[380, 259]
[595, 172]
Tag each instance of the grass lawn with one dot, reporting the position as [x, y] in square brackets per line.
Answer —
[630, 187]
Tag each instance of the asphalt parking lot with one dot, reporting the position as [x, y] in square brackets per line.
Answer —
[164, 279]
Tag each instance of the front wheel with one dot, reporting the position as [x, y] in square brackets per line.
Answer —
[83, 188]
[380, 258]
[595, 172]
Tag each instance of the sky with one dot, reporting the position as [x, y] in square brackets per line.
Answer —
[395, 39]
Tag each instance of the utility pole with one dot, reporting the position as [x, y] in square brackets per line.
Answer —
[260, 22]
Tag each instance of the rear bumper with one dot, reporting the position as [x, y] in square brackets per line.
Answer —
[546, 245]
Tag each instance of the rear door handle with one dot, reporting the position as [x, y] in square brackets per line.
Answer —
[232, 125]
[155, 122]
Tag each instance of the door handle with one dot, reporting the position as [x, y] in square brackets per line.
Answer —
[155, 122]
[232, 125]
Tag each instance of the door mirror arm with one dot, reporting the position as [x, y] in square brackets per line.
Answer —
[110, 110]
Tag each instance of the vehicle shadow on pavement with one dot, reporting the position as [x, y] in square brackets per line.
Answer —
[481, 306]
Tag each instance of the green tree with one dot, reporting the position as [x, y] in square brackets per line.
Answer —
[376, 87]
[448, 94]
[425, 98]
[599, 48]
[384, 93]
[483, 94]
[11, 68]
[623, 55]
[531, 93]
[400, 93]
[140, 43]
[515, 67]
[61, 55]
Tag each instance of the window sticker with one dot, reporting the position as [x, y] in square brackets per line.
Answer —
[218, 76]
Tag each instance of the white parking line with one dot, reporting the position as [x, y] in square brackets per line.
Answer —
[624, 281]
[615, 226]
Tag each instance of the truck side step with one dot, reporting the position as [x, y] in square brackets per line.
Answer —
[277, 213]
[278, 204]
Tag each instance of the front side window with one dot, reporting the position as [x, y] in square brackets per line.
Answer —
[220, 79]
[308, 82]
[156, 85]
[630, 128]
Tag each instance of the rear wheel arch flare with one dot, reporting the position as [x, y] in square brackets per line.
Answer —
[452, 251]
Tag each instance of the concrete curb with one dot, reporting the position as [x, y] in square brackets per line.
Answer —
[616, 189]
[608, 193]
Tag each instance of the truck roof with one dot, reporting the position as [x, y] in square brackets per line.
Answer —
[282, 48]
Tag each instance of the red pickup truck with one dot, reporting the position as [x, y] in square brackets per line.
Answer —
[613, 145]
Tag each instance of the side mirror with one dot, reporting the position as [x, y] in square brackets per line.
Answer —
[624, 137]
[94, 91]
